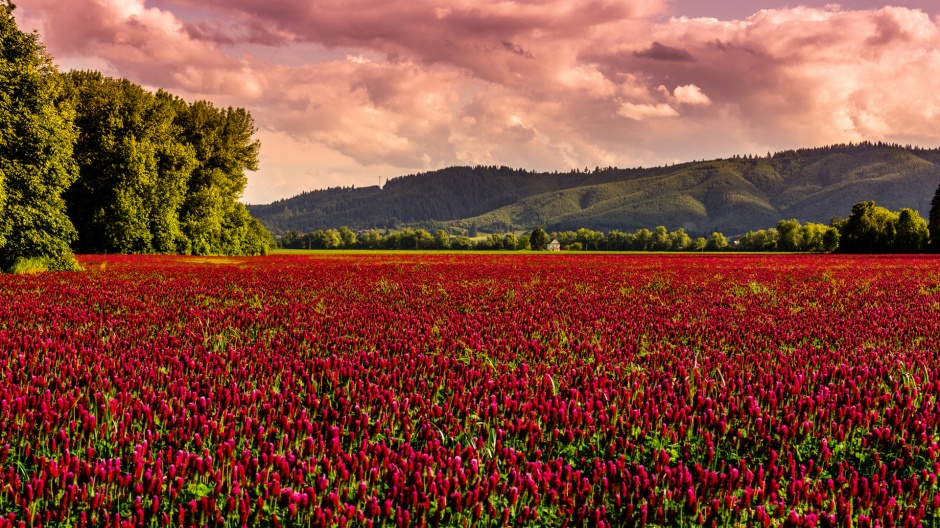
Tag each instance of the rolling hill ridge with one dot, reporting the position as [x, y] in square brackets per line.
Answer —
[732, 195]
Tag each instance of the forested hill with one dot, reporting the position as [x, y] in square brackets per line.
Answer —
[730, 195]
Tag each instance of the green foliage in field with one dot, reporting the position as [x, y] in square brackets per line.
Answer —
[27, 266]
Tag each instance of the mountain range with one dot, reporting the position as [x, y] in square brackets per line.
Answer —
[733, 195]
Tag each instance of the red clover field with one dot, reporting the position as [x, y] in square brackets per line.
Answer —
[472, 390]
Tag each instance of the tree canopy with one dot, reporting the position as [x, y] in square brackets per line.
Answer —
[36, 163]
[874, 229]
[160, 175]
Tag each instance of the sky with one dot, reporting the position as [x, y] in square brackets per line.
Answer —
[351, 92]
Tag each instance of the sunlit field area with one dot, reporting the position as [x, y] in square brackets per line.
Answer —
[472, 390]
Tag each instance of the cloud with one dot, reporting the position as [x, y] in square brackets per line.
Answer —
[149, 45]
[691, 94]
[378, 87]
[639, 112]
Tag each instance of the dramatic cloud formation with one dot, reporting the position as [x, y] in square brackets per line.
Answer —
[348, 91]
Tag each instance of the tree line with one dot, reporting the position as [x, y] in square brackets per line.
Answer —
[582, 239]
[94, 164]
[868, 229]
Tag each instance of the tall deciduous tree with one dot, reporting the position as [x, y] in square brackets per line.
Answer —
[679, 240]
[133, 167]
[868, 229]
[159, 175]
[36, 140]
[660, 239]
[717, 242]
[912, 232]
[212, 218]
[790, 235]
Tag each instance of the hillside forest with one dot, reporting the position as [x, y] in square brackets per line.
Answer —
[94, 164]
[733, 195]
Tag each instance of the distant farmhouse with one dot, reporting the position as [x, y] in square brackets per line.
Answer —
[554, 245]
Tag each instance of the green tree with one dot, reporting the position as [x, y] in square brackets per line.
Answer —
[874, 229]
[830, 241]
[869, 229]
[494, 241]
[36, 141]
[347, 237]
[159, 175]
[813, 235]
[406, 239]
[912, 234]
[441, 239]
[760, 240]
[933, 222]
[641, 240]
[371, 239]
[257, 239]
[225, 149]
[325, 239]
[679, 240]
[244, 235]
[133, 168]
[461, 242]
[589, 239]
[424, 239]
[789, 235]
[292, 240]
[716, 242]
[538, 240]
[564, 238]
[616, 240]
[660, 241]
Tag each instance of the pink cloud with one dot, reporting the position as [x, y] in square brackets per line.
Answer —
[691, 94]
[542, 84]
[640, 112]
